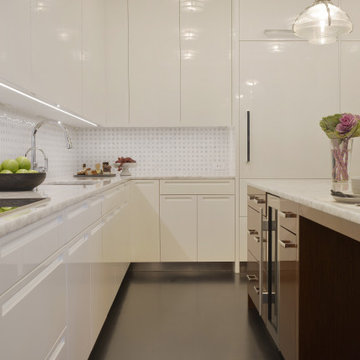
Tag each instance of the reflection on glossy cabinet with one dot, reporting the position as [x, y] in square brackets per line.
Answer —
[15, 39]
[154, 62]
[286, 98]
[145, 228]
[78, 263]
[206, 63]
[117, 65]
[256, 16]
[216, 228]
[178, 231]
[93, 57]
[56, 52]
[352, 7]
[36, 306]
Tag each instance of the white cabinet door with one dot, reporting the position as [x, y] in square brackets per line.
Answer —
[206, 63]
[145, 228]
[117, 64]
[82, 252]
[178, 229]
[287, 87]
[350, 91]
[257, 16]
[352, 7]
[93, 65]
[154, 62]
[56, 52]
[15, 40]
[33, 314]
[216, 228]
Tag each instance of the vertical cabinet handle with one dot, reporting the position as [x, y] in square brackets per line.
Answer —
[248, 137]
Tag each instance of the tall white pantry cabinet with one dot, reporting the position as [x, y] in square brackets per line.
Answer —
[286, 87]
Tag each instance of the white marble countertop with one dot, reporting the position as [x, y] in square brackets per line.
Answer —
[312, 193]
[63, 196]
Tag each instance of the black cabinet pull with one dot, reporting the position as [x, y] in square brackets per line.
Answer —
[248, 136]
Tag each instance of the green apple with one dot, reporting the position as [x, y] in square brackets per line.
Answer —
[22, 171]
[0, 167]
[11, 165]
[32, 172]
[6, 208]
[5, 172]
[24, 162]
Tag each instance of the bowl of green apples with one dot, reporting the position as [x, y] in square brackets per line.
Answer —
[17, 175]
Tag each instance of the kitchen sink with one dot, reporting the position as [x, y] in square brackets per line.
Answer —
[72, 182]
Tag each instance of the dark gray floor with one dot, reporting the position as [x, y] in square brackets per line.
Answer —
[183, 316]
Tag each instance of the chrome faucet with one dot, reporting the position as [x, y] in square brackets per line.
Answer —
[34, 148]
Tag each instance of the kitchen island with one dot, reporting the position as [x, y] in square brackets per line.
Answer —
[308, 260]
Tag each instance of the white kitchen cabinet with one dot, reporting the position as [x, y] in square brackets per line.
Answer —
[216, 228]
[257, 16]
[56, 41]
[286, 99]
[154, 62]
[93, 61]
[80, 255]
[24, 250]
[117, 64]
[206, 63]
[59, 350]
[144, 223]
[352, 7]
[33, 313]
[15, 40]
[178, 230]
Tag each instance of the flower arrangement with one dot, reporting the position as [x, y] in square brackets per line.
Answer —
[341, 128]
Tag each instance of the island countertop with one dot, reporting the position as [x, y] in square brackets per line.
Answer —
[311, 193]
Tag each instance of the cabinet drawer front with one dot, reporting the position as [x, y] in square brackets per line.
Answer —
[24, 250]
[288, 215]
[253, 243]
[252, 275]
[254, 223]
[35, 315]
[287, 247]
[113, 199]
[59, 350]
[79, 217]
[197, 187]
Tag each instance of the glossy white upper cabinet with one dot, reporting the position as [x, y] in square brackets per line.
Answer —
[352, 7]
[93, 56]
[258, 15]
[205, 32]
[287, 87]
[15, 40]
[56, 52]
[154, 62]
[117, 64]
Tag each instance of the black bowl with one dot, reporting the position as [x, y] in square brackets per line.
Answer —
[21, 182]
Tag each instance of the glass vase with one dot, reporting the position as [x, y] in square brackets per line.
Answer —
[341, 159]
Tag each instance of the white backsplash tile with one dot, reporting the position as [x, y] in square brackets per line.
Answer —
[15, 139]
[162, 151]
[158, 151]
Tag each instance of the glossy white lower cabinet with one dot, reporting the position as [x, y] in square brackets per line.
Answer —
[59, 350]
[33, 313]
[216, 228]
[178, 229]
[144, 222]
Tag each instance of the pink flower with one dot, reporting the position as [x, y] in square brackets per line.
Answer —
[347, 122]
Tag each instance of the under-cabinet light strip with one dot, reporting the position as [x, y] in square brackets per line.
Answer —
[46, 104]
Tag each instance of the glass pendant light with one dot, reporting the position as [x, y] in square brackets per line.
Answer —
[322, 23]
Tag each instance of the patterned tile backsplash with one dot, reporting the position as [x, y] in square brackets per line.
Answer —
[158, 151]
[162, 151]
[15, 139]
